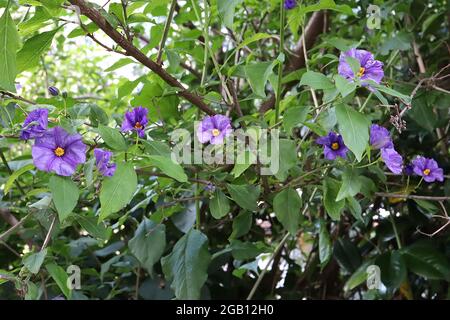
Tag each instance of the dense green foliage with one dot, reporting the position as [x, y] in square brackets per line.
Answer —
[161, 230]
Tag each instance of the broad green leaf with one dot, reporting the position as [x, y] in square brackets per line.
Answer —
[329, 5]
[32, 50]
[13, 177]
[39, 20]
[425, 260]
[241, 224]
[287, 157]
[347, 255]
[246, 196]
[9, 44]
[253, 38]
[351, 185]
[117, 191]
[60, 276]
[358, 277]
[226, 11]
[330, 191]
[325, 248]
[246, 250]
[119, 64]
[186, 266]
[148, 243]
[65, 195]
[316, 80]
[344, 86]
[112, 138]
[294, 116]
[393, 269]
[257, 75]
[287, 205]
[354, 64]
[243, 161]
[34, 261]
[391, 92]
[354, 128]
[172, 169]
[93, 227]
[219, 205]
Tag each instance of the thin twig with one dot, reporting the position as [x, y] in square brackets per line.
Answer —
[166, 32]
[410, 196]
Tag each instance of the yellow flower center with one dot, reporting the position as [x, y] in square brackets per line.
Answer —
[335, 146]
[138, 125]
[59, 152]
[361, 71]
[426, 172]
[215, 132]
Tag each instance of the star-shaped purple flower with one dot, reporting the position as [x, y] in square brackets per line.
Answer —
[58, 151]
[214, 129]
[333, 146]
[380, 138]
[102, 160]
[135, 120]
[428, 169]
[290, 4]
[393, 160]
[35, 124]
[370, 69]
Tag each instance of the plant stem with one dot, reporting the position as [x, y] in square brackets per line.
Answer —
[166, 32]
[5, 162]
[280, 65]
[365, 102]
[397, 237]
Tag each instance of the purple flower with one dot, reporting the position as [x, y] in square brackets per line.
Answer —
[214, 129]
[102, 160]
[290, 4]
[334, 146]
[408, 170]
[370, 69]
[428, 169]
[135, 120]
[58, 151]
[35, 124]
[53, 91]
[392, 159]
[210, 187]
[380, 138]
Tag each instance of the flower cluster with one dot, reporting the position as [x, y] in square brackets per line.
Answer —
[56, 150]
[381, 139]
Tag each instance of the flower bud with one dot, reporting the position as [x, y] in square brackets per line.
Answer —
[64, 94]
[53, 91]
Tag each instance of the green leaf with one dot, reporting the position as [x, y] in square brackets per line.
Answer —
[330, 190]
[112, 138]
[186, 266]
[325, 249]
[358, 277]
[244, 160]
[172, 169]
[329, 5]
[119, 64]
[294, 116]
[425, 260]
[28, 57]
[354, 64]
[219, 205]
[241, 224]
[246, 196]
[117, 191]
[246, 250]
[226, 11]
[393, 269]
[95, 229]
[351, 185]
[148, 243]
[347, 255]
[344, 86]
[65, 195]
[287, 158]
[316, 80]
[287, 205]
[354, 128]
[157, 148]
[13, 177]
[60, 277]
[253, 38]
[257, 75]
[391, 92]
[34, 261]
[9, 44]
